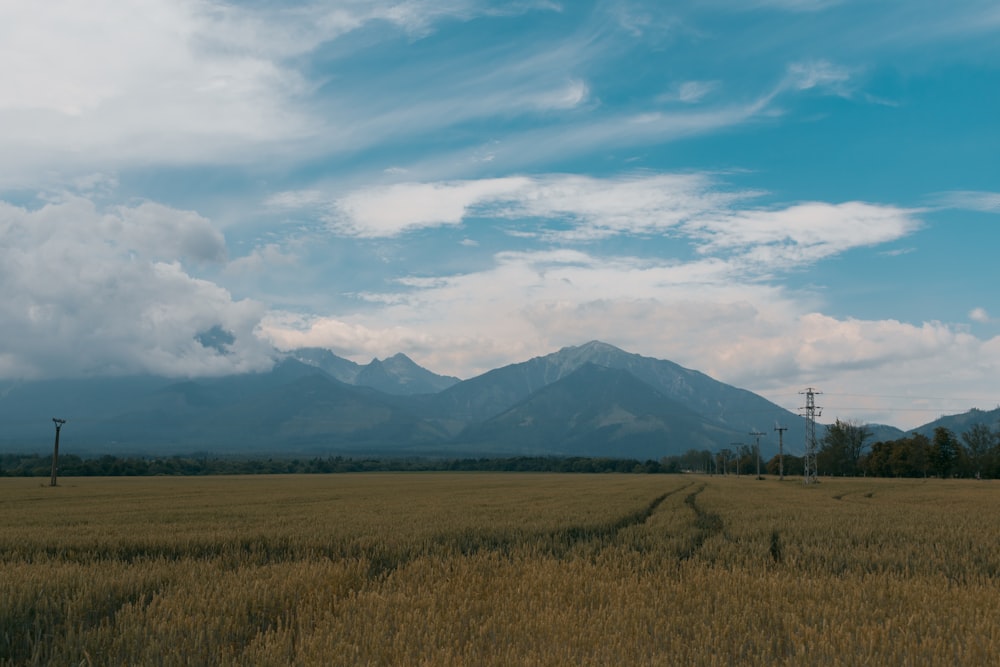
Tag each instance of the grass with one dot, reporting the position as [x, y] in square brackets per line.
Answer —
[498, 569]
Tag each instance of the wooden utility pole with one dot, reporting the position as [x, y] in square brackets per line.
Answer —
[737, 454]
[55, 450]
[756, 449]
[781, 450]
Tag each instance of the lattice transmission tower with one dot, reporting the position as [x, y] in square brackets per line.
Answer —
[810, 412]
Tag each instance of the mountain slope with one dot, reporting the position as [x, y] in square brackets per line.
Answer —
[293, 408]
[597, 411]
[961, 423]
[730, 409]
[398, 374]
[592, 399]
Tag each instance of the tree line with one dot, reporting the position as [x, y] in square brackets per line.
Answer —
[39, 465]
[844, 450]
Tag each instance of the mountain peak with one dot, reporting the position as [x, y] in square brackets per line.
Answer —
[597, 346]
[594, 351]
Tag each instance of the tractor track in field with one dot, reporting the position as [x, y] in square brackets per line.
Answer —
[707, 524]
[553, 542]
[381, 559]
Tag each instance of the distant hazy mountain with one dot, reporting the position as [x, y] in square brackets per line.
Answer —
[293, 408]
[730, 410]
[961, 423]
[597, 411]
[884, 433]
[396, 375]
[594, 400]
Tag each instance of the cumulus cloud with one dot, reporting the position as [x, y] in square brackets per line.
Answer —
[184, 82]
[156, 231]
[268, 255]
[105, 291]
[529, 302]
[752, 335]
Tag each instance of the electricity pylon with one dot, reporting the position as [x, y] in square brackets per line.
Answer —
[809, 472]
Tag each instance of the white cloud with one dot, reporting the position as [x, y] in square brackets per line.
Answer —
[796, 5]
[571, 95]
[803, 233]
[682, 205]
[980, 315]
[818, 74]
[692, 92]
[606, 207]
[987, 202]
[598, 207]
[155, 231]
[754, 335]
[108, 84]
[266, 256]
[91, 291]
[530, 302]
[391, 210]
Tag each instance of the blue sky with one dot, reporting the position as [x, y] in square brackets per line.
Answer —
[780, 193]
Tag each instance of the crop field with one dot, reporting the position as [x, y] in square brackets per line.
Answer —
[498, 569]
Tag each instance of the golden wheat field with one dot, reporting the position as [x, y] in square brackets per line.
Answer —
[498, 569]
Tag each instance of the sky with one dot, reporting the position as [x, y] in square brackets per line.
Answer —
[781, 194]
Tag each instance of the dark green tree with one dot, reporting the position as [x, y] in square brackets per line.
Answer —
[909, 457]
[876, 463]
[793, 465]
[945, 452]
[980, 443]
[841, 448]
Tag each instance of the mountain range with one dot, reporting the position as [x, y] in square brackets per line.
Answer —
[588, 400]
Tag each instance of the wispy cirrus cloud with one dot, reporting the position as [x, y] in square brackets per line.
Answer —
[818, 74]
[198, 81]
[797, 5]
[802, 233]
[594, 207]
[971, 200]
[583, 209]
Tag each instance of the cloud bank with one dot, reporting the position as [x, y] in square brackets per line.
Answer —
[91, 291]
